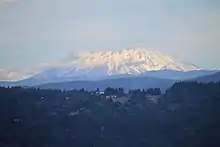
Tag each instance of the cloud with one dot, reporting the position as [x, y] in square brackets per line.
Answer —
[101, 31]
[34, 31]
[7, 1]
[14, 74]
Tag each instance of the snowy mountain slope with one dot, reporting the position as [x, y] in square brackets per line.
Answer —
[108, 64]
[127, 61]
[100, 65]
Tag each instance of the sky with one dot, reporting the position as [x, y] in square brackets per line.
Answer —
[38, 31]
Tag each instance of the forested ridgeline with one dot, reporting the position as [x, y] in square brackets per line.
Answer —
[187, 115]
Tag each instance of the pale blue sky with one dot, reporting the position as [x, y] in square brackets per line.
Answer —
[34, 31]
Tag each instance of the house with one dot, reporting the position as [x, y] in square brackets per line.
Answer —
[110, 96]
[99, 93]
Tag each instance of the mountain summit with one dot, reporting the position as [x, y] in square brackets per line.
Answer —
[106, 64]
[96, 65]
[127, 61]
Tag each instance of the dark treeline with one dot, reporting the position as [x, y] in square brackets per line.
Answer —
[187, 115]
[121, 92]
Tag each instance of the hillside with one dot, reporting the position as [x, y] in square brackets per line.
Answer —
[126, 83]
[208, 78]
[187, 115]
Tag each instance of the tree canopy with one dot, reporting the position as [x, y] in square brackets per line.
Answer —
[187, 115]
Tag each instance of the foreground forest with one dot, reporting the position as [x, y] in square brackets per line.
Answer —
[187, 115]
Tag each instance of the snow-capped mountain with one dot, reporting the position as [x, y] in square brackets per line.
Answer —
[127, 61]
[99, 65]
[109, 64]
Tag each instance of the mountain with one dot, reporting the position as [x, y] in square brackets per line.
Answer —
[127, 61]
[126, 83]
[128, 68]
[208, 78]
[178, 75]
[150, 79]
[109, 64]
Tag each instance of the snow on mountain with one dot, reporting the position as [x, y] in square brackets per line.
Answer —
[96, 65]
[127, 61]
[100, 65]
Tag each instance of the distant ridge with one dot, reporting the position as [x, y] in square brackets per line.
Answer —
[208, 78]
[126, 83]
